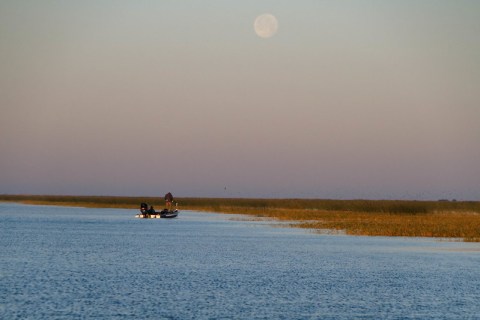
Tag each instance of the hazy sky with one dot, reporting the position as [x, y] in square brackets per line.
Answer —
[349, 99]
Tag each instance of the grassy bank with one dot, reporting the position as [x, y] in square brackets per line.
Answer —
[446, 219]
[82, 201]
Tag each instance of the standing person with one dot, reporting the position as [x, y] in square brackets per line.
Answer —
[168, 201]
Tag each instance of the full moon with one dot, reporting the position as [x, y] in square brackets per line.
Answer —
[265, 25]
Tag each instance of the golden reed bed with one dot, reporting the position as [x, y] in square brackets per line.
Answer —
[444, 219]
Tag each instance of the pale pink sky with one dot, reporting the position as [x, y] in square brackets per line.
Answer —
[350, 99]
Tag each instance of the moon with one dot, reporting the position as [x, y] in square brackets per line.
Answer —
[265, 25]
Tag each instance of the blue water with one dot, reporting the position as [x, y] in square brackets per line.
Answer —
[77, 263]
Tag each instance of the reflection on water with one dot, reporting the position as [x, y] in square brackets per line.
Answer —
[103, 263]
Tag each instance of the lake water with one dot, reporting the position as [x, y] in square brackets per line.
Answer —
[77, 263]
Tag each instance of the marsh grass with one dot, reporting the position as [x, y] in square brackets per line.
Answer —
[443, 219]
[81, 201]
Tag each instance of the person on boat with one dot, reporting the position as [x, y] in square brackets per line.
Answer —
[143, 208]
[151, 210]
[168, 201]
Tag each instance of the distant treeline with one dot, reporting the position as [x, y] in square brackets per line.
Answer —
[216, 204]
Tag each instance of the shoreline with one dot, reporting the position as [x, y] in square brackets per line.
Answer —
[435, 219]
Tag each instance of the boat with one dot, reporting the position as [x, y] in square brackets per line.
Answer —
[146, 213]
[164, 214]
[168, 213]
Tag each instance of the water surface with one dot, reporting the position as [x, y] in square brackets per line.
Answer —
[77, 263]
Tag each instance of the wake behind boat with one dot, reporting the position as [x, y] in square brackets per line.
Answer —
[150, 213]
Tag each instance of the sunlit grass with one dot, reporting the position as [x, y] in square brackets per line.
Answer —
[442, 219]
[453, 225]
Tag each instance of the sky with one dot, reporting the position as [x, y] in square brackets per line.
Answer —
[350, 99]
